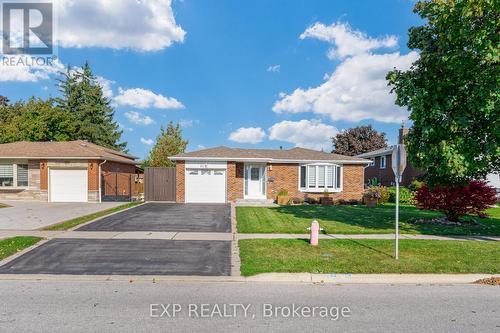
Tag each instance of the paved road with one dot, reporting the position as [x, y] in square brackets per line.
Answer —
[125, 257]
[112, 306]
[167, 217]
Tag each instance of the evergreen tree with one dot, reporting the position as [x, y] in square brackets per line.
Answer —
[168, 143]
[82, 96]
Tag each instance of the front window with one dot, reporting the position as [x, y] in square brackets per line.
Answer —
[6, 175]
[320, 177]
[13, 175]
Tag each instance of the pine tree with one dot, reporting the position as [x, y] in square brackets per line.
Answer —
[168, 143]
[83, 97]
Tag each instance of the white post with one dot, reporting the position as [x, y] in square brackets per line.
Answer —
[397, 217]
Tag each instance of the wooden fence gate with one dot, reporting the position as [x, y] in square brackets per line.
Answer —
[159, 184]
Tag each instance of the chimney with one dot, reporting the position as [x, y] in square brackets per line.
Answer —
[403, 132]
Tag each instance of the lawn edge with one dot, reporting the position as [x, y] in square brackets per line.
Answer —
[120, 208]
[8, 259]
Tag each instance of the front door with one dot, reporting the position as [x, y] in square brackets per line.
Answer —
[255, 181]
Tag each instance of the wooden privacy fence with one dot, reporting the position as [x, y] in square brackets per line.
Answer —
[118, 186]
[159, 184]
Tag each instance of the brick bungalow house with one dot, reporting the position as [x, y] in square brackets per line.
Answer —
[381, 165]
[66, 171]
[225, 174]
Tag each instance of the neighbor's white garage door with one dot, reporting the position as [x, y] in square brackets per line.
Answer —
[205, 185]
[68, 185]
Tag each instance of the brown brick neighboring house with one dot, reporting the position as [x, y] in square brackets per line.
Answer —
[381, 165]
[225, 174]
[66, 171]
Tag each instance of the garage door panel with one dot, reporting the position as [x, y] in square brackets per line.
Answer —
[68, 185]
[205, 185]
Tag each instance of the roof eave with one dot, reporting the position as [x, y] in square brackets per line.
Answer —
[274, 160]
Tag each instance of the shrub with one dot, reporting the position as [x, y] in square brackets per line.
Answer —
[406, 196]
[296, 201]
[416, 185]
[343, 202]
[459, 200]
[380, 193]
[311, 201]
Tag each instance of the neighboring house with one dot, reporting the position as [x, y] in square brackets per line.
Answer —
[225, 174]
[66, 171]
[381, 165]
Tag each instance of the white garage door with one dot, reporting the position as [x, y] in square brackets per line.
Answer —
[68, 185]
[206, 185]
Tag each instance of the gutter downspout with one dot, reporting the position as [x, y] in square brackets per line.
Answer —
[100, 194]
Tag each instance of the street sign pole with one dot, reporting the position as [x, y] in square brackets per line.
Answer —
[398, 166]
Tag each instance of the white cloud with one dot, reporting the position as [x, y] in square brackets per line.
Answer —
[347, 41]
[126, 24]
[188, 122]
[143, 98]
[201, 147]
[107, 91]
[147, 142]
[137, 118]
[274, 68]
[248, 135]
[357, 89]
[304, 133]
[15, 68]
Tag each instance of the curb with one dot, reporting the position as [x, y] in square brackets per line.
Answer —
[298, 278]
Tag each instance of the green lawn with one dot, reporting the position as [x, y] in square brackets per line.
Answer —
[10, 246]
[87, 218]
[354, 220]
[368, 256]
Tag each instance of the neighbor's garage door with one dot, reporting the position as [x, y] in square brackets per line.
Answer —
[206, 185]
[68, 185]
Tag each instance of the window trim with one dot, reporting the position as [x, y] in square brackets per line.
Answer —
[14, 178]
[317, 189]
[383, 158]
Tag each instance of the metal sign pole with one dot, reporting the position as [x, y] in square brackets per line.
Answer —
[398, 166]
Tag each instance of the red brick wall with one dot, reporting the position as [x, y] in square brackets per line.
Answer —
[93, 175]
[286, 176]
[235, 181]
[386, 176]
[179, 181]
[44, 175]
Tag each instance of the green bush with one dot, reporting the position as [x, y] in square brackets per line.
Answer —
[406, 196]
[380, 193]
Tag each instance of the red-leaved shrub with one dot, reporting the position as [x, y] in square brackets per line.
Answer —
[456, 201]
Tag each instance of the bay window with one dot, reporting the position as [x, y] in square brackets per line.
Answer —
[13, 175]
[320, 177]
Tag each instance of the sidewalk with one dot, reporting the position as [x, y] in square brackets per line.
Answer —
[219, 236]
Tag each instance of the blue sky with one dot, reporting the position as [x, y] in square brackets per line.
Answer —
[237, 73]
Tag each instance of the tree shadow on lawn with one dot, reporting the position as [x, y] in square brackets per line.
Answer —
[382, 218]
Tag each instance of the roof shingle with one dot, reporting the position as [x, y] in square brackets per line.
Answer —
[63, 149]
[294, 154]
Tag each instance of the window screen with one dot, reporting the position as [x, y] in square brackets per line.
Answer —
[303, 176]
[329, 176]
[22, 175]
[339, 177]
[321, 176]
[312, 176]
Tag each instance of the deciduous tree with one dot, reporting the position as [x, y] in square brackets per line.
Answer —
[358, 140]
[452, 90]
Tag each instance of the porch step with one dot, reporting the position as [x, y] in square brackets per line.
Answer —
[255, 202]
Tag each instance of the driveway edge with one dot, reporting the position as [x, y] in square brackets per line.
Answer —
[235, 248]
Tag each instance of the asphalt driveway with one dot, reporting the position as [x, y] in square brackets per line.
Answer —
[124, 257]
[31, 215]
[167, 217]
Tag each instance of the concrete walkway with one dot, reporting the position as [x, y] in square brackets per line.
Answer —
[217, 235]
